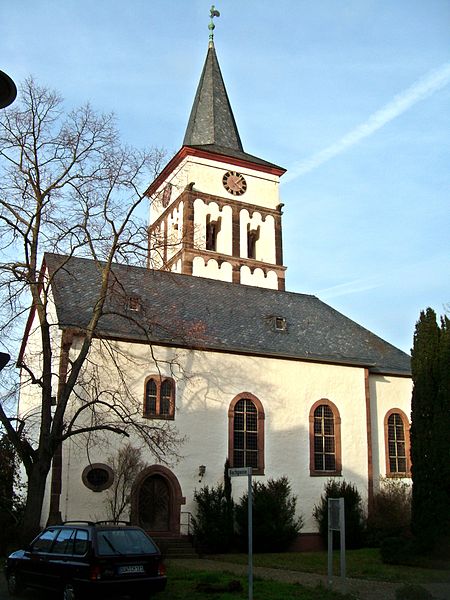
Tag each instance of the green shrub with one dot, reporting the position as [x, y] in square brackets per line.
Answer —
[354, 514]
[214, 522]
[412, 592]
[391, 512]
[275, 525]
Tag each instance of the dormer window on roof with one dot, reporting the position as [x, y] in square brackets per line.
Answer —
[134, 303]
[280, 323]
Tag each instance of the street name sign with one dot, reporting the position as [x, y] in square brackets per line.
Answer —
[240, 472]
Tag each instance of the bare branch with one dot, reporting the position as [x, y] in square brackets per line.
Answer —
[68, 186]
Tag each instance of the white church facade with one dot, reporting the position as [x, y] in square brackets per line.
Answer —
[241, 368]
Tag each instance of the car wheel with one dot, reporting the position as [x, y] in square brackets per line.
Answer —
[14, 585]
[69, 592]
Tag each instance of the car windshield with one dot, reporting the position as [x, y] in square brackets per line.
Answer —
[124, 541]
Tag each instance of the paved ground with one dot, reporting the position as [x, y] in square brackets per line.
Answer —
[361, 589]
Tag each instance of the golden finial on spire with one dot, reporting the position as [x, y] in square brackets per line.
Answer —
[213, 13]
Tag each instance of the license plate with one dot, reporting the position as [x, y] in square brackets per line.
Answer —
[131, 569]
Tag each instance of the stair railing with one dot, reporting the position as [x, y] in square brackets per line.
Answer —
[186, 527]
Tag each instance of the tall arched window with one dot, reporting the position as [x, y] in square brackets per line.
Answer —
[159, 397]
[246, 433]
[166, 397]
[151, 397]
[396, 435]
[325, 439]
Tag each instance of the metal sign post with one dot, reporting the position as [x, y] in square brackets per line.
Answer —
[240, 472]
[336, 522]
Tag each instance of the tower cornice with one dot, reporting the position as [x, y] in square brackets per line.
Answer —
[240, 159]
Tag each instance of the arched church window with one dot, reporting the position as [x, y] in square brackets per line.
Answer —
[166, 397]
[212, 231]
[325, 439]
[396, 434]
[246, 433]
[159, 398]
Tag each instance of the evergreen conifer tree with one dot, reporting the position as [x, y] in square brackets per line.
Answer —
[430, 418]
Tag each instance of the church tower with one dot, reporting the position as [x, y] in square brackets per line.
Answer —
[215, 210]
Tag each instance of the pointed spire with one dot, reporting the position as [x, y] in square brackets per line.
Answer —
[211, 125]
[212, 121]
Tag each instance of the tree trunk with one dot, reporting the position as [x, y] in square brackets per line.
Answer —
[35, 498]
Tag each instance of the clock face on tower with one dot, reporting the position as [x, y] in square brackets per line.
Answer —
[234, 183]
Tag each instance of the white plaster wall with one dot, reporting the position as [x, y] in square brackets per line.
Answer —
[386, 392]
[179, 178]
[287, 390]
[265, 245]
[211, 269]
[176, 267]
[262, 188]
[258, 278]
[174, 230]
[225, 234]
[156, 243]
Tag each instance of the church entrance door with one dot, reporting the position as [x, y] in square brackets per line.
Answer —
[154, 504]
[156, 501]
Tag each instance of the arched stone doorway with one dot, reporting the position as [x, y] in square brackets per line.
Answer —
[156, 501]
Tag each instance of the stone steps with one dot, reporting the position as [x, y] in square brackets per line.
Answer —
[176, 547]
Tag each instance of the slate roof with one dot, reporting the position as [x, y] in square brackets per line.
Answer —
[212, 125]
[187, 311]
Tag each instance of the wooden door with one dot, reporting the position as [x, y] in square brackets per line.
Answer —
[154, 504]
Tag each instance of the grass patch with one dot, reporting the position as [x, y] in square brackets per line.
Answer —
[362, 564]
[184, 584]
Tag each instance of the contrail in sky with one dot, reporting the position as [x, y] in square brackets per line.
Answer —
[351, 287]
[424, 87]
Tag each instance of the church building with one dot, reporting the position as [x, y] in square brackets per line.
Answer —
[241, 368]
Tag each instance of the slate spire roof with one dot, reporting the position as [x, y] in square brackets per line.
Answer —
[212, 126]
[212, 121]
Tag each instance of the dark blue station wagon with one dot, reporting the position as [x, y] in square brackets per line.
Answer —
[84, 559]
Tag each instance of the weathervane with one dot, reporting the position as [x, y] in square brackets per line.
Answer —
[213, 13]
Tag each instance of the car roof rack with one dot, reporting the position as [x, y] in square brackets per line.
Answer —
[78, 521]
[113, 522]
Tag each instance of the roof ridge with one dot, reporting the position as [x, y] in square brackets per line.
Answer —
[163, 273]
[242, 320]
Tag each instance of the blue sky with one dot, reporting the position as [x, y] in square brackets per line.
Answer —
[351, 96]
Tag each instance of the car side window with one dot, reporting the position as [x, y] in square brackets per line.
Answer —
[44, 542]
[64, 542]
[81, 544]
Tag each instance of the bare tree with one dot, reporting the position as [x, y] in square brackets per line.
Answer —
[126, 465]
[67, 185]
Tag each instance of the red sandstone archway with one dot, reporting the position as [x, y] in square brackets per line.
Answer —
[156, 501]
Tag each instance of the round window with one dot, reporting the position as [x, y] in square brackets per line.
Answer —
[97, 477]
